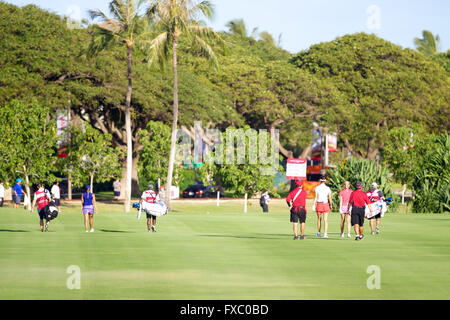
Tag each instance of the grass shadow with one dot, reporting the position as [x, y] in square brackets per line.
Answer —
[7, 230]
[115, 231]
[238, 236]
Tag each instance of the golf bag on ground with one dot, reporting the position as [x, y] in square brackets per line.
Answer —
[51, 212]
[156, 209]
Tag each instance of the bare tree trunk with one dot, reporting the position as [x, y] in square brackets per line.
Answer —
[245, 202]
[69, 186]
[27, 190]
[174, 124]
[127, 202]
[306, 151]
[403, 193]
[92, 183]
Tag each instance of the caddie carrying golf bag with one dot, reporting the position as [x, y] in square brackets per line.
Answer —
[156, 209]
[51, 212]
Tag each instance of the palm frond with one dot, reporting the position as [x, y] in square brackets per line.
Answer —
[207, 51]
[158, 49]
[97, 14]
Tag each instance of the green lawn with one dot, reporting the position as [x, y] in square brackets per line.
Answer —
[204, 252]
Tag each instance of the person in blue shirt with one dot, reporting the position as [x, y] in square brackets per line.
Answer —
[17, 193]
[89, 207]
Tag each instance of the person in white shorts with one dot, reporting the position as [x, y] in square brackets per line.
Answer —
[323, 205]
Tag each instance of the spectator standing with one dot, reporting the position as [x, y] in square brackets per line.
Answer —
[264, 201]
[2, 193]
[56, 194]
[116, 186]
[17, 193]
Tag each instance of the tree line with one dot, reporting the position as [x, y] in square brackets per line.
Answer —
[156, 62]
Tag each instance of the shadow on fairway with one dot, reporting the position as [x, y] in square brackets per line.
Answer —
[6, 230]
[115, 231]
[238, 237]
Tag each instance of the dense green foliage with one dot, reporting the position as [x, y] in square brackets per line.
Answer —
[385, 87]
[432, 176]
[28, 143]
[152, 164]
[91, 157]
[236, 163]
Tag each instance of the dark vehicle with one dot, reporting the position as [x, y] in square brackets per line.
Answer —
[200, 191]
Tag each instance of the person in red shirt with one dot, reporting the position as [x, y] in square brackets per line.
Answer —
[344, 197]
[358, 200]
[42, 197]
[296, 200]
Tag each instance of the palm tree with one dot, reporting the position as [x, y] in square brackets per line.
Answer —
[127, 28]
[429, 44]
[238, 28]
[173, 19]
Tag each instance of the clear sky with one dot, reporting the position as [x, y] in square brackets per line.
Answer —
[306, 22]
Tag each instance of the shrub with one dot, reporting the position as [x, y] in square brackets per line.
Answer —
[432, 177]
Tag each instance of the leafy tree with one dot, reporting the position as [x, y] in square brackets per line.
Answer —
[172, 20]
[91, 157]
[28, 143]
[245, 176]
[126, 28]
[429, 44]
[385, 87]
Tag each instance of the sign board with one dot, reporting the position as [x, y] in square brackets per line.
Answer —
[62, 126]
[296, 169]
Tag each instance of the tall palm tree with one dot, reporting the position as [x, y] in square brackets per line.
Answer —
[429, 44]
[173, 19]
[126, 27]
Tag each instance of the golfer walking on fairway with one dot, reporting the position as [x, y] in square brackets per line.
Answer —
[323, 205]
[297, 199]
[358, 200]
[42, 197]
[89, 205]
[150, 196]
[344, 197]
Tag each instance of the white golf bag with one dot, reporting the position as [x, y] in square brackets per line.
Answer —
[377, 207]
[156, 209]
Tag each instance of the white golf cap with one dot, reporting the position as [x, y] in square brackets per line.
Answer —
[374, 184]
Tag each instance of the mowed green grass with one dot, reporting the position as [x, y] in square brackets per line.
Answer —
[204, 252]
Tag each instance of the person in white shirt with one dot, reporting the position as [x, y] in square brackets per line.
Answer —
[116, 186]
[150, 196]
[2, 193]
[323, 205]
[56, 194]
